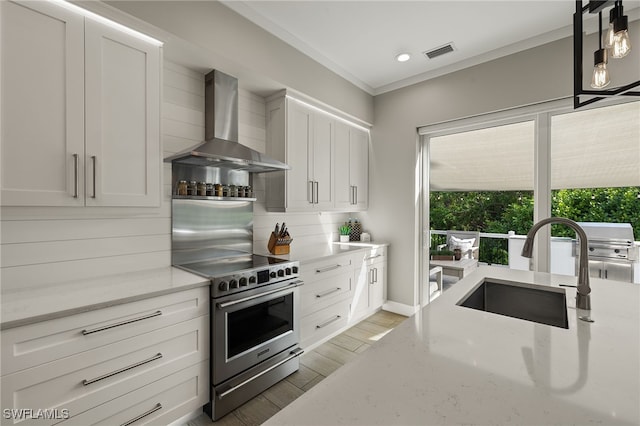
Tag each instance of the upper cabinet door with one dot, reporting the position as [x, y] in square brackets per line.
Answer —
[359, 167]
[42, 107]
[122, 119]
[299, 137]
[321, 160]
[343, 192]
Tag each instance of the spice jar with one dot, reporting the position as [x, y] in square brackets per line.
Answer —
[202, 189]
[181, 189]
[192, 188]
[209, 190]
[225, 191]
[233, 191]
[217, 190]
[247, 192]
[240, 191]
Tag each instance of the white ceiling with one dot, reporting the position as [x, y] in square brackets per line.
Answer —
[359, 39]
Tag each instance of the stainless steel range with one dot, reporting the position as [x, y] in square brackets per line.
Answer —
[254, 325]
[612, 251]
[254, 299]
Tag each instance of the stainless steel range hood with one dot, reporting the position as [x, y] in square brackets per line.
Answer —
[221, 147]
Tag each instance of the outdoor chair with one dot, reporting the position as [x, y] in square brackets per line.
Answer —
[467, 241]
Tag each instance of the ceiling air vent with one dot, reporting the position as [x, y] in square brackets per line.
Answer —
[439, 51]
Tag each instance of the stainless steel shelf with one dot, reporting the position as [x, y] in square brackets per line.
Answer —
[196, 197]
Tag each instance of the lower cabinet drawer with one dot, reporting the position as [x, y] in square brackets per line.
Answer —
[158, 403]
[321, 293]
[323, 323]
[39, 343]
[88, 379]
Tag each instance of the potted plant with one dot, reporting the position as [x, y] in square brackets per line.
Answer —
[344, 233]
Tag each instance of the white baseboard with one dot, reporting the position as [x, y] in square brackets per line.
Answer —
[400, 308]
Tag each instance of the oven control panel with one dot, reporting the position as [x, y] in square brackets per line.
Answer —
[246, 280]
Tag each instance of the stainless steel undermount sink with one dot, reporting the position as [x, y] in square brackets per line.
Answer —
[541, 304]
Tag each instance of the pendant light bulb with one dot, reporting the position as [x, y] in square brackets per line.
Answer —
[600, 78]
[621, 43]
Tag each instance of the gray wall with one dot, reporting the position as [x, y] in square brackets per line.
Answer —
[237, 46]
[507, 82]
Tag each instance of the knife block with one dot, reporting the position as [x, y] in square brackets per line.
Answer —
[279, 245]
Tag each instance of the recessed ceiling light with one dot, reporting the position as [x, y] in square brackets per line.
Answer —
[403, 57]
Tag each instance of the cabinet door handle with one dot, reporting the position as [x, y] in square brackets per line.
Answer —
[317, 191]
[94, 160]
[370, 276]
[327, 269]
[328, 292]
[143, 415]
[121, 323]
[606, 274]
[75, 175]
[310, 191]
[355, 198]
[122, 370]
[372, 257]
[376, 274]
[326, 323]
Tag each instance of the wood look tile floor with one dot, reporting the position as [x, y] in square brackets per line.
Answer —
[314, 367]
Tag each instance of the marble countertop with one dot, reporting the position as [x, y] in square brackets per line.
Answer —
[450, 365]
[311, 253]
[28, 304]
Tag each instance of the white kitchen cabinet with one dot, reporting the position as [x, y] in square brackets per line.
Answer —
[303, 138]
[370, 283]
[80, 111]
[351, 161]
[325, 298]
[84, 362]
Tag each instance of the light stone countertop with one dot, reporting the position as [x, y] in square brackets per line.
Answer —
[450, 365]
[310, 253]
[29, 304]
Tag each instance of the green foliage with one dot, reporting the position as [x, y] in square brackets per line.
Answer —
[504, 211]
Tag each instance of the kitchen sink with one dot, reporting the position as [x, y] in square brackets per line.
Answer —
[541, 304]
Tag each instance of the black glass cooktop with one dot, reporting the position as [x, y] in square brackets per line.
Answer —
[219, 267]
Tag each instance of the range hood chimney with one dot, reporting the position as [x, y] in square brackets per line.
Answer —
[221, 147]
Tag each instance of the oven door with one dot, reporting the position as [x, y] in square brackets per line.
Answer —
[253, 326]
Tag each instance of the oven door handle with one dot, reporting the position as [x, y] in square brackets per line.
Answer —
[296, 283]
[294, 353]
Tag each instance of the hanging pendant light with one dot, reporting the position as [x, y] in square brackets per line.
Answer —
[621, 42]
[600, 76]
[609, 36]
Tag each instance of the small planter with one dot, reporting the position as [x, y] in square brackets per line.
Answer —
[344, 238]
[442, 257]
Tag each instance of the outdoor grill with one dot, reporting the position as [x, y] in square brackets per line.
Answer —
[612, 251]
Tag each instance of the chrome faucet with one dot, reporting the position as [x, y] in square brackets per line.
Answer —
[583, 299]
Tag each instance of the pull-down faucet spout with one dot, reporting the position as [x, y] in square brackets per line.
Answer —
[583, 299]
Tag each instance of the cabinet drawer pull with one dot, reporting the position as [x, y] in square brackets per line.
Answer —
[118, 324]
[93, 160]
[355, 199]
[326, 323]
[328, 268]
[328, 292]
[122, 370]
[145, 414]
[75, 175]
[310, 191]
